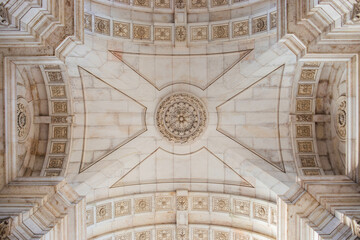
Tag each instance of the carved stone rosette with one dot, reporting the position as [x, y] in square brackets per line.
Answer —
[181, 117]
[340, 121]
[23, 119]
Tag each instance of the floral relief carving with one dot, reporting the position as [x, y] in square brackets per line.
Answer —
[198, 3]
[240, 28]
[308, 74]
[142, 3]
[182, 203]
[216, 3]
[180, 4]
[55, 76]
[305, 89]
[304, 117]
[58, 147]
[201, 234]
[181, 117]
[261, 211]
[242, 207]
[311, 172]
[305, 146]
[125, 236]
[340, 123]
[60, 132]
[200, 203]
[308, 161]
[220, 235]
[220, 31]
[259, 24]
[141, 32]
[356, 11]
[182, 234]
[163, 203]
[4, 15]
[199, 33]
[102, 25]
[88, 21]
[22, 119]
[164, 234]
[303, 105]
[89, 217]
[162, 3]
[221, 204]
[5, 228]
[56, 162]
[59, 107]
[180, 33]
[303, 131]
[143, 205]
[121, 29]
[57, 91]
[103, 212]
[122, 208]
[163, 33]
[146, 235]
[273, 20]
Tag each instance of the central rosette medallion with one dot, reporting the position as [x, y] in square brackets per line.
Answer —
[181, 117]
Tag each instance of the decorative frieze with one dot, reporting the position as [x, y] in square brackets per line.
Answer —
[311, 172]
[56, 162]
[304, 117]
[121, 29]
[240, 28]
[142, 3]
[52, 173]
[162, 33]
[199, 33]
[259, 24]
[141, 32]
[59, 107]
[200, 203]
[305, 90]
[103, 212]
[54, 77]
[220, 31]
[198, 3]
[221, 204]
[303, 131]
[216, 3]
[58, 147]
[23, 119]
[164, 234]
[260, 211]
[303, 105]
[242, 207]
[308, 160]
[220, 235]
[180, 33]
[60, 132]
[59, 119]
[180, 4]
[57, 91]
[340, 123]
[163, 203]
[124, 236]
[241, 236]
[305, 146]
[143, 205]
[102, 25]
[162, 3]
[201, 234]
[145, 235]
[122, 208]
[181, 203]
[308, 74]
[182, 234]
[273, 20]
[90, 217]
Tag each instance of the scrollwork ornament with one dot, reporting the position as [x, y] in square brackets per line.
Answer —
[181, 117]
[340, 121]
[4, 15]
[356, 11]
[5, 228]
[22, 119]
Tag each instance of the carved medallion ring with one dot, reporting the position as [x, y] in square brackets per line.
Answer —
[181, 117]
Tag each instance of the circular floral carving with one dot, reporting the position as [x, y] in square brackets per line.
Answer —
[340, 123]
[22, 119]
[181, 117]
